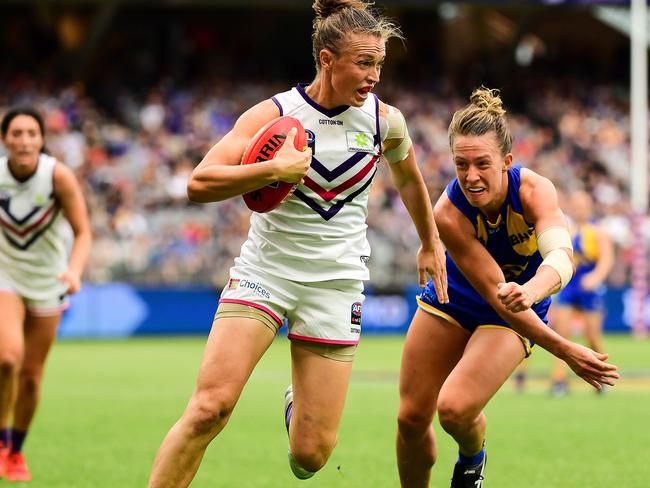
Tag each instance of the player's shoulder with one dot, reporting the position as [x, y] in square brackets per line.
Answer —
[63, 177]
[446, 214]
[533, 186]
[386, 109]
[257, 116]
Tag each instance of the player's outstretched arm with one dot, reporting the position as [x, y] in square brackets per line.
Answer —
[484, 274]
[541, 208]
[407, 178]
[220, 176]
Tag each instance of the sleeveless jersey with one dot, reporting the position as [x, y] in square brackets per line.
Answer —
[585, 250]
[585, 257]
[32, 252]
[319, 233]
[511, 241]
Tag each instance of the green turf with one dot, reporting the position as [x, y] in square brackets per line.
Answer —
[107, 405]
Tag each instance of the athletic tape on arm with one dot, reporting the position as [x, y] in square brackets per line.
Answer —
[550, 244]
[397, 130]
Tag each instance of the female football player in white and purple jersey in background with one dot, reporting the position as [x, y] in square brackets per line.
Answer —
[36, 273]
[508, 250]
[305, 261]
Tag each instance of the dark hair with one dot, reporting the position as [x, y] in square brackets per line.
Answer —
[484, 114]
[335, 19]
[15, 112]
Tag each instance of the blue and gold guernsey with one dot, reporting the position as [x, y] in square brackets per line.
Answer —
[511, 241]
[585, 257]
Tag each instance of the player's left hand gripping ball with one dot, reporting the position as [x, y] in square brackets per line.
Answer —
[263, 147]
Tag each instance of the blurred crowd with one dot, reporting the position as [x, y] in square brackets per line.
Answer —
[135, 154]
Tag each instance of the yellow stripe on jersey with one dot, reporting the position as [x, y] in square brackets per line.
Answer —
[589, 242]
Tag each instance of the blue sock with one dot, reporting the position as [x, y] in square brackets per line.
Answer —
[5, 436]
[471, 460]
[17, 439]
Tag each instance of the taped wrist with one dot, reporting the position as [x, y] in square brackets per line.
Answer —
[397, 130]
[551, 244]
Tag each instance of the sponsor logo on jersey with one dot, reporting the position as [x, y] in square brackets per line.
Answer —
[256, 287]
[233, 284]
[360, 141]
[355, 316]
[519, 237]
[330, 122]
[364, 259]
[40, 199]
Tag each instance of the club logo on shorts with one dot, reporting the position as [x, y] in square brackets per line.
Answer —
[233, 284]
[356, 313]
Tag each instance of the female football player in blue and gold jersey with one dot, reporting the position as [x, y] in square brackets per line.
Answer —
[508, 249]
[593, 254]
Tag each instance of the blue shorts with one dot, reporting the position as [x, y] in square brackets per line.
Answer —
[586, 300]
[468, 310]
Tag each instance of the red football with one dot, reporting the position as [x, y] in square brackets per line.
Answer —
[263, 147]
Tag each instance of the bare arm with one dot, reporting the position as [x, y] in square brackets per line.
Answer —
[220, 176]
[483, 272]
[409, 182]
[68, 192]
[541, 208]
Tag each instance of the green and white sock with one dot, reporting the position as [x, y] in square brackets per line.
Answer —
[298, 471]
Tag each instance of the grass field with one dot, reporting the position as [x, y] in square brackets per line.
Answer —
[107, 405]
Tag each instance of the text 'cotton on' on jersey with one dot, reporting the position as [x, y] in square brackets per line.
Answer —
[319, 233]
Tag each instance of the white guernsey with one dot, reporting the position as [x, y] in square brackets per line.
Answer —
[319, 233]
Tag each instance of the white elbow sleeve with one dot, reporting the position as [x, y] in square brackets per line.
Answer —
[397, 130]
[551, 244]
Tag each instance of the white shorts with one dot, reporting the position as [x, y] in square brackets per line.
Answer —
[327, 312]
[41, 308]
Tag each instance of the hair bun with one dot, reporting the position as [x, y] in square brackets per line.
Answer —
[325, 8]
[488, 99]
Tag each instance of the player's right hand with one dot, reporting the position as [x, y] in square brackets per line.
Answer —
[590, 365]
[292, 165]
[73, 280]
[515, 297]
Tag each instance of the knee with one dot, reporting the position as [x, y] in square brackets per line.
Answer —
[312, 451]
[30, 381]
[455, 415]
[412, 423]
[10, 362]
[208, 414]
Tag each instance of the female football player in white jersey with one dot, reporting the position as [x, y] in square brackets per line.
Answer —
[35, 272]
[305, 261]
